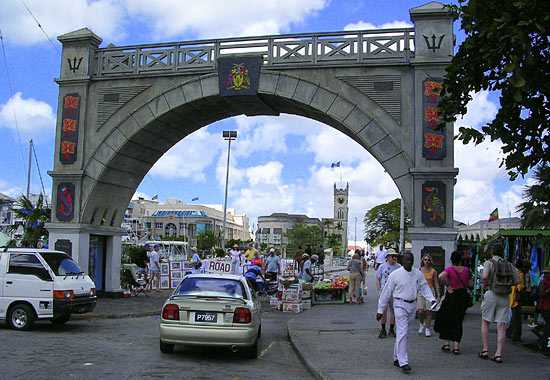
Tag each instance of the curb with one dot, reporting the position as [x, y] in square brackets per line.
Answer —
[83, 317]
[310, 367]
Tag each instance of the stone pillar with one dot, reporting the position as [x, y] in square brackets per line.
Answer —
[433, 172]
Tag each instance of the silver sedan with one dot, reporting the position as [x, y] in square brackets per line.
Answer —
[212, 310]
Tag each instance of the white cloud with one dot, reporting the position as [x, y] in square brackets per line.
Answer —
[103, 17]
[34, 117]
[190, 157]
[362, 25]
[10, 190]
[480, 110]
[221, 18]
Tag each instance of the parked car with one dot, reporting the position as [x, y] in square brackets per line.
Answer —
[217, 310]
[42, 284]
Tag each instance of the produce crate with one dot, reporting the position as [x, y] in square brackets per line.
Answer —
[328, 296]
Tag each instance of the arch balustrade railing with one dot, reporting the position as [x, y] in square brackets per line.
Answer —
[291, 50]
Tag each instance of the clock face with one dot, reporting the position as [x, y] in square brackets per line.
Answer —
[340, 199]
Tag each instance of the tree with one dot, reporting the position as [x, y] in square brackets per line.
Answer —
[34, 218]
[535, 210]
[207, 239]
[382, 224]
[507, 49]
[334, 241]
[304, 235]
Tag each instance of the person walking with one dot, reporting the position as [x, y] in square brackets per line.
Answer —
[424, 312]
[514, 330]
[496, 302]
[380, 257]
[154, 267]
[543, 307]
[403, 285]
[448, 322]
[356, 275]
[197, 262]
[382, 274]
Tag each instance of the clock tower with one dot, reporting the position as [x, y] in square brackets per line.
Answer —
[341, 214]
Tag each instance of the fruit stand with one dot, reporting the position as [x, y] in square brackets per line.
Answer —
[330, 291]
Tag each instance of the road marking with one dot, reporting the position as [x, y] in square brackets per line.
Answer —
[264, 351]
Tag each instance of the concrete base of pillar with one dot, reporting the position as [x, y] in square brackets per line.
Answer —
[438, 242]
[74, 239]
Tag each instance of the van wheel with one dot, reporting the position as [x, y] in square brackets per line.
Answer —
[21, 317]
[60, 321]
[166, 348]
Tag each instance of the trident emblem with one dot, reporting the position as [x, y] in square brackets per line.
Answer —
[433, 47]
[74, 65]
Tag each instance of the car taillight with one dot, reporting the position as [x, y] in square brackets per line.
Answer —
[171, 311]
[62, 294]
[242, 315]
[92, 292]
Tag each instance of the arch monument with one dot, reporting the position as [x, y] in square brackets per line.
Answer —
[121, 108]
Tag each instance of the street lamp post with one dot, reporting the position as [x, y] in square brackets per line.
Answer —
[227, 135]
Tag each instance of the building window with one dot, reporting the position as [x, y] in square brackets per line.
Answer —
[148, 225]
[340, 214]
[158, 224]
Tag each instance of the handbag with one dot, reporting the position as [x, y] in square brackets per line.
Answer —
[469, 292]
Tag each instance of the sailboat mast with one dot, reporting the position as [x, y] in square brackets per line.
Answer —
[29, 172]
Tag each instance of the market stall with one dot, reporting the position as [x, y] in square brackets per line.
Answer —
[332, 290]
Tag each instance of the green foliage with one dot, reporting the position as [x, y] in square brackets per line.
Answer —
[130, 253]
[382, 224]
[334, 241]
[34, 217]
[507, 49]
[206, 240]
[535, 210]
[303, 235]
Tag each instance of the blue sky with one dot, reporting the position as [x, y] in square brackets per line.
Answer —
[278, 164]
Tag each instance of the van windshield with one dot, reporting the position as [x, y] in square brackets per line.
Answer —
[61, 263]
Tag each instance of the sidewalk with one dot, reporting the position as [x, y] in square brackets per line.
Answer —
[341, 341]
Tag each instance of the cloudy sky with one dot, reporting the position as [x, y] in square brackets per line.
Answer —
[278, 164]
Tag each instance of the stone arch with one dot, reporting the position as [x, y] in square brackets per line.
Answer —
[128, 142]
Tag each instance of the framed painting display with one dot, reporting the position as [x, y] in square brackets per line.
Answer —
[164, 268]
[175, 265]
[176, 275]
[165, 282]
[175, 284]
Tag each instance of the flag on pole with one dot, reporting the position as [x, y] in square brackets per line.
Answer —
[494, 215]
[195, 199]
[335, 164]
[155, 197]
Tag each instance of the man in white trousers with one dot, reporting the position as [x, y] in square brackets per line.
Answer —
[403, 285]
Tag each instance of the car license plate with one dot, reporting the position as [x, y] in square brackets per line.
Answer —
[206, 317]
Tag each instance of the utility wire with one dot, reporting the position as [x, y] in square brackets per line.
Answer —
[13, 104]
[158, 188]
[40, 26]
[40, 175]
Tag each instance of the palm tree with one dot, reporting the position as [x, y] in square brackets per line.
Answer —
[34, 217]
[535, 211]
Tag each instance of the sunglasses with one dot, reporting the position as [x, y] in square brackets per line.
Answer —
[427, 260]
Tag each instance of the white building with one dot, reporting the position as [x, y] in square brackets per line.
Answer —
[483, 229]
[152, 220]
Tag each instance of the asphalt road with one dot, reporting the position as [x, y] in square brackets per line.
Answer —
[128, 348]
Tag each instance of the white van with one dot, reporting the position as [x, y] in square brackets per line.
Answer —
[43, 284]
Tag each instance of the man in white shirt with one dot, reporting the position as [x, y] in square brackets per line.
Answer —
[382, 274]
[403, 285]
[154, 267]
[380, 257]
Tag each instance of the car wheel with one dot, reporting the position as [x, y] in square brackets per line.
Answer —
[253, 352]
[166, 348]
[60, 321]
[21, 317]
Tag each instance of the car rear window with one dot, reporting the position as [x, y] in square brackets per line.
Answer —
[211, 287]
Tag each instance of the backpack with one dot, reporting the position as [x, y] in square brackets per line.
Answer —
[502, 277]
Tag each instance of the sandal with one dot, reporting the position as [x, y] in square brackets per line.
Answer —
[446, 348]
[456, 351]
[483, 355]
[497, 359]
